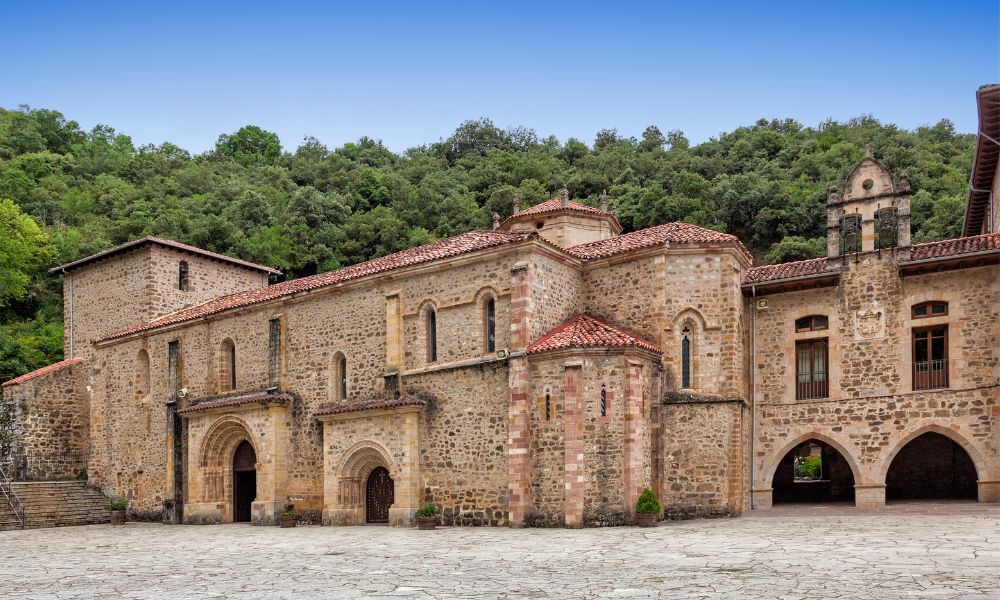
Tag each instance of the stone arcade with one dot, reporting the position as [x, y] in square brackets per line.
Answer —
[539, 374]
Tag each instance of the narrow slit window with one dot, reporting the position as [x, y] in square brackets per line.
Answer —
[228, 375]
[432, 353]
[182, 276]
[173, 365]
[274, 352]
[604, 400]
[342, 373]
[548, 406]
[686, 358]
[491, 326]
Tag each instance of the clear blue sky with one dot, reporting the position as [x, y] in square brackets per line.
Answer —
[409, 73]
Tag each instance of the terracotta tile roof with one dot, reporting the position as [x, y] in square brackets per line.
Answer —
[237, 400]
[584, 331]
[675, 233]
[446, 248]
[169, 244]
[43, 371]
[369, 405]
[789, 270]
[555, 205]
[956, 246]
[988, 242]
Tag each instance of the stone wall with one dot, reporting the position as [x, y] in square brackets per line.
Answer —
[463, 442]
[130, 434]
[702, 453]
[587, 468]
[140, 285]
[872, 409]
[47, 425]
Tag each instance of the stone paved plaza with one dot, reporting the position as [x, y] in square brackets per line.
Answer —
[790, 554]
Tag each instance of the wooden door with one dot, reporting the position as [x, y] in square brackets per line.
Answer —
[244, 481]
[379, 496]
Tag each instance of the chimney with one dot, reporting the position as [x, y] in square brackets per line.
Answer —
[516, 203]
[564, 197]
[496, 221]
[604, 200]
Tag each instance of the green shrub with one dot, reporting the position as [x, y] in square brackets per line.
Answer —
[429, 509]
[118, 504]
[648, 503]
[811, 467]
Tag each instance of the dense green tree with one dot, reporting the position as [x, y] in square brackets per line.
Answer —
[71, 193]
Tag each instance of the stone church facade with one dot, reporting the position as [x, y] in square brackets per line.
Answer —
[539, 374]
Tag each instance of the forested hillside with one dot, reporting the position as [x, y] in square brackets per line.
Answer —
[66, 193]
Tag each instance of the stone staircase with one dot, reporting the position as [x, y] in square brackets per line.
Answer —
[55, 504]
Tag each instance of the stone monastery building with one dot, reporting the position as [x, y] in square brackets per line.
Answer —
[539, 374]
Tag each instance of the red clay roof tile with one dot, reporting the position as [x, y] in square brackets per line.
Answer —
[585, 331]
[368, 405]
[555, 205]
[676, 233]
[237, 400]
[42, 371]
[789, 270]
[988, 242]
[956, 246]
[446, 248]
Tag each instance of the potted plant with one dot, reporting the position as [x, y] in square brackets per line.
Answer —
[117, 507]
[647, 508]
[427, 516]
[288, 518]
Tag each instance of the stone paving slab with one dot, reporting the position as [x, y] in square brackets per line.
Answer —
[798, 556]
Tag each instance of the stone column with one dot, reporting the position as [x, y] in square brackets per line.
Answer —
[869, 496]
[519, 407]
[989, 490]
[393, 345]
[635, 439]
[272, 470]
[575, 464]
[518, 443]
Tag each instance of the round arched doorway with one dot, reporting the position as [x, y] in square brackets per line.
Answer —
[813, 471]
[379, 495]
[931, 467]
[244, 481]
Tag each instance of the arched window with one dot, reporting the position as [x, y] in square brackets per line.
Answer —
[182, 276]
[491, 325]
[604, 400]
[227, 366]
[340, 376]
[142, 374]
[811, 323]
[686, 357]
[885, 228]
[850, 234]
[432, 353]
[934, 308]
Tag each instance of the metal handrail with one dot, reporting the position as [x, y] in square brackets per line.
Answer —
[11, 495]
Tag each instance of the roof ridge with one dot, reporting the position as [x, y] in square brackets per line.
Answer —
[422, 254]
[170, 244]
[45, 370]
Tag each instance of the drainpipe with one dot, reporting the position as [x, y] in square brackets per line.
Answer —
[753, 399]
